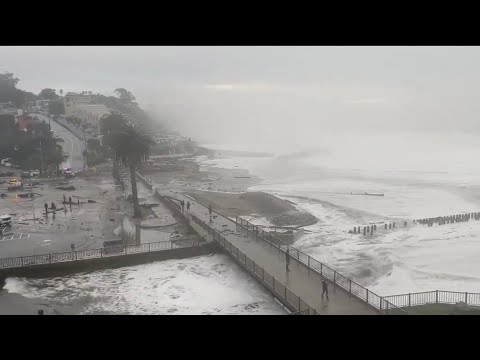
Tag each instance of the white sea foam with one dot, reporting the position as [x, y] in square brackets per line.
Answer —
[420, 177]
[201, 285]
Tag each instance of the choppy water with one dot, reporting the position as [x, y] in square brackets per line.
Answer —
[202, 285]
[420, 177]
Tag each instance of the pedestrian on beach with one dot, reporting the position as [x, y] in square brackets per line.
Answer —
[324, 288]
[70, 201]
[78, 202]
[72, 246]
[188, 206]
[52, 206]
[287, 260]
[64, 199]
[210, 212]
[46, 208]
[183, 205]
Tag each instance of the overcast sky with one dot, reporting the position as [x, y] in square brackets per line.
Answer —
[281, 91]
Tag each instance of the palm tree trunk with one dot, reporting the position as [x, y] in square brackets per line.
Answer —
[136, 207]
[115, 172]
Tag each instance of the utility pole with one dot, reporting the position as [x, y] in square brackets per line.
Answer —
[41, 157]
[85, 150]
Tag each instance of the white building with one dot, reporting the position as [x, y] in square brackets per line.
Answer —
[80, 106]
[42, 105]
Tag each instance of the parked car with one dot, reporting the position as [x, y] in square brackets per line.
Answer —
[25, 175]
[17, 185]
[7, 164]
[34, 173]
[66, 155]
[68, 173]
[6, 160]
[5, 220]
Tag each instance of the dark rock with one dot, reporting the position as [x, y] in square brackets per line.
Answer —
[294, 217]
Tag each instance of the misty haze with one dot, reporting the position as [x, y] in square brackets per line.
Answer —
[239, 180]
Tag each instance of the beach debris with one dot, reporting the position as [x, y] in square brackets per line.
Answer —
[66, 188]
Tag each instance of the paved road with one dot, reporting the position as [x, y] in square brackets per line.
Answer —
[298, 279]
[72, 145]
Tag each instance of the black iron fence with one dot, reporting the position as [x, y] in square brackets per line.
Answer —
[380, 303]
[293, 302]
[434, 297]
[22, 261]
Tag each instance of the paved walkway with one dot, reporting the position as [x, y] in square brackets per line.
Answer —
[303, 283]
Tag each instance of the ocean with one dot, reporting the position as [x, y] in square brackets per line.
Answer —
[204, 285]
[420, 176]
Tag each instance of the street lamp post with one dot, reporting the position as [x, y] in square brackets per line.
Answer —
[41, 157]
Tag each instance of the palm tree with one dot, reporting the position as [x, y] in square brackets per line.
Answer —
[134, 144]
[111, 124]
[131, 145]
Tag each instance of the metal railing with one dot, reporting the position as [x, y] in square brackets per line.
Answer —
[301, 312]
[380, 303]
[293, 302]
[342, 282]
[434, 297]
[23, 261]
[345, 284]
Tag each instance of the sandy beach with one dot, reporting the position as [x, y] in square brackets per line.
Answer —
[226, 191]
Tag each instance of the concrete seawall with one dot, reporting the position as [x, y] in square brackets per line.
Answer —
[88, 265]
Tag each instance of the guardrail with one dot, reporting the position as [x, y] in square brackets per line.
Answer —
[23, 261]
[349, 286]
[345, 284]
[434, 297]
[279, 290]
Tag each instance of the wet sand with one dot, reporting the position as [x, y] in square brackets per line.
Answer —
[226, 191]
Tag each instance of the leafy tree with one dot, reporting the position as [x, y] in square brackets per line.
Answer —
[125, 96]
[48, 94]
[9, 91]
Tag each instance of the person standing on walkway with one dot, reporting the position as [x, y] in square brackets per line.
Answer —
[78, 202]
[64, 199]
[70, 202]
[210, 213]
[287, 260]
[46, 209]
[188, 206]
[183, 205]
[324, 288]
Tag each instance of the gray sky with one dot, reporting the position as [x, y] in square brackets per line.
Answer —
[278, 91]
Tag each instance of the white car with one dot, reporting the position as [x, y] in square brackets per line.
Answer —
[34, 173]
[5, 220]
[7, 164]
[3, 161]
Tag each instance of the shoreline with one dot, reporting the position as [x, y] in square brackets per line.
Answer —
[227, 190]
